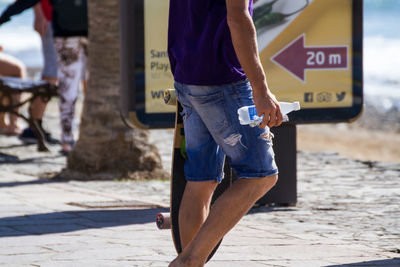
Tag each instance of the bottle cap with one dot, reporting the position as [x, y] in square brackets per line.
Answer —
[296, 105]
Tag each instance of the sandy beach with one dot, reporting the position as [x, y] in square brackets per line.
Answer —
[354, 142]
[374, 136]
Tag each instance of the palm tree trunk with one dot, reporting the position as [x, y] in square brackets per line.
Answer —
[106, 148]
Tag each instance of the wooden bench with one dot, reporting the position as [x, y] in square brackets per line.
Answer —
[10, 86]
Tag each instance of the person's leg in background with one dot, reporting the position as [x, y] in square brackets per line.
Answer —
[71, 57]
[49, 74]
[11, 67]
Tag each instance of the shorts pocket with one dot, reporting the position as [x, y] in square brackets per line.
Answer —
[187, 110]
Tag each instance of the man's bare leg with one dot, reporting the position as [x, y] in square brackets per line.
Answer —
[225, 213]
[194, 209]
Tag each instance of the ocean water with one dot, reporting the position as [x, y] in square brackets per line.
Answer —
[381, 48]
[382, 53]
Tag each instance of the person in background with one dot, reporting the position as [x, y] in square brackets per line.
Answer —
[42, 25]
[11, 67]
[70, 25]
[70, 30]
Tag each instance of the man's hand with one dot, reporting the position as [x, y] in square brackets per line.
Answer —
[40, 23]
[267, 105]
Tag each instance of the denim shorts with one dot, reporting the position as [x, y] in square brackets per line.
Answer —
[213, 131]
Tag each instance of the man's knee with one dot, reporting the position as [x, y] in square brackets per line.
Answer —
[202, 191]
[264, 184]
[272, 179]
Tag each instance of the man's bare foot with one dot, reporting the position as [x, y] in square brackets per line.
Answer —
[189, 262]
[175, 263]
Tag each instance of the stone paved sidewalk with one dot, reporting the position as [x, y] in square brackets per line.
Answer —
[347, 215]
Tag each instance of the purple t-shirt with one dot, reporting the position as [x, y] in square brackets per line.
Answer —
[199, 43]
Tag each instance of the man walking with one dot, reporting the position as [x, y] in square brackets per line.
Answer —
[214, 59]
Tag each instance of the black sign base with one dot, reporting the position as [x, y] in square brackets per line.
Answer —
[284, 193]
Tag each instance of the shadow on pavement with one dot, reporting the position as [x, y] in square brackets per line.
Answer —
[37, 181]
[10, 159]
[16, 146]
[395, 262]
[263, 209]
[69, 221]
[7, 158]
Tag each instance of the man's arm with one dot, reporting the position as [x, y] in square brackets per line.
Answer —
[244, 40]
[16, 8]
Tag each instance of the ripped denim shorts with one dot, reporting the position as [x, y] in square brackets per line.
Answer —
[213, 131]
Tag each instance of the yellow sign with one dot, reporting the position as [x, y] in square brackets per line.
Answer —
[310, 51]
[158, 74]
[309, 59]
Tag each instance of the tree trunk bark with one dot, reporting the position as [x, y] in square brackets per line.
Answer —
[106, 148]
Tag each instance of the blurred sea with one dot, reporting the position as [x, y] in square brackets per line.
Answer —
[381, 48]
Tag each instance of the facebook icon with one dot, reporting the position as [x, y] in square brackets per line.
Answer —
[308, 97]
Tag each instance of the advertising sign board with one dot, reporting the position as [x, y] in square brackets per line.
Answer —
[311, 51]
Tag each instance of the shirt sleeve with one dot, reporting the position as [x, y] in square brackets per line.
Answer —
[16, 8]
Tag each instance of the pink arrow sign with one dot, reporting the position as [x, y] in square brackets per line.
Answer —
[296, 58]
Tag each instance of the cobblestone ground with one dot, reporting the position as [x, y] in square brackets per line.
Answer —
[338, 198]
[347, 215]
